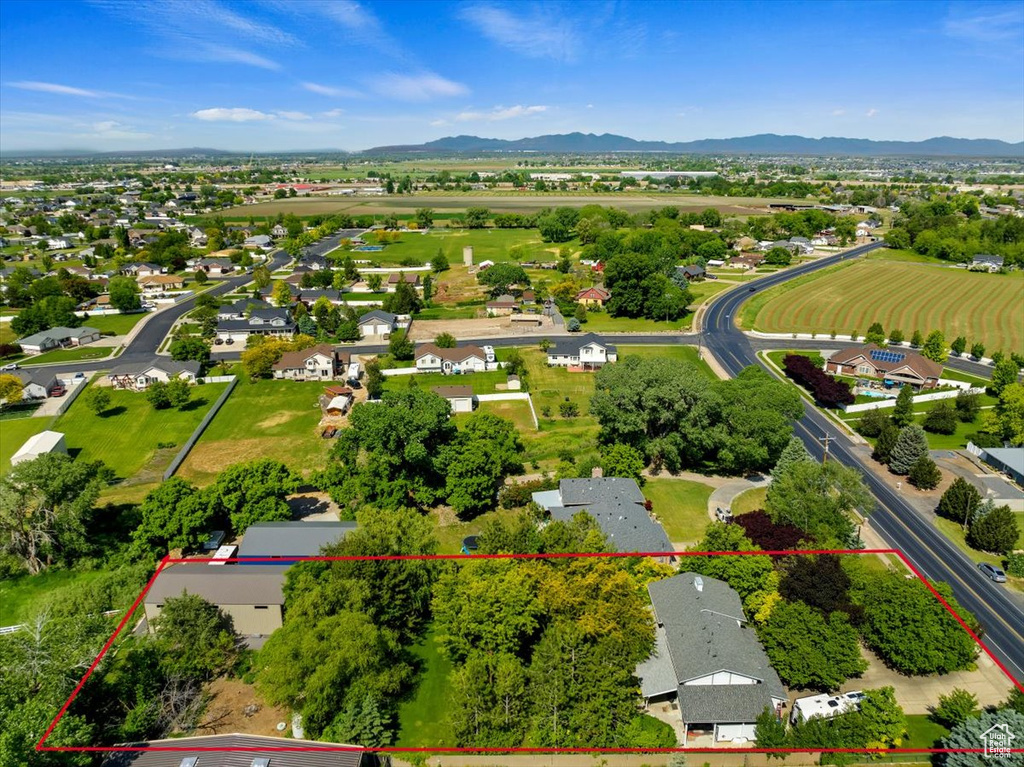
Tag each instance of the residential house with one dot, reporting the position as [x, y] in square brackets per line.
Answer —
[894, 367]
[315, 263]
[529, 298]
[691, 272]
[377, 323]
[318, 363]
[288, 541]
[391, 284]
[746, 261]
[985, 262]
[141, 269]
[238, 750]
[502, 305]
[707, 664]
[160, 283]
[138, 376]
[58, 243]
[197, 237]
[585, 352]
[459, 397]
[462, 359]
[36, 383]
[260, 241]
[241, 307]
[595, 296]
[40, 444]
[264, 322]
[616, 504]
[253, 596]
[278, 231]
[216, 267]
[58, 337]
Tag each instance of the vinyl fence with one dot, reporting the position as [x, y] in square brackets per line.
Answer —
[884, 403]
[187, 447]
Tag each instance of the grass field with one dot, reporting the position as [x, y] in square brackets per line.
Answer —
[493, 244]
[602, 322]
[13, 433]
[681, 506]
[922, 732]
[19, 595]
[955, 532]
[127, 435]
[908, 296]
[70, 355]
[749, 500]
[265, 419]
[118, 324]
[423, 719]
[482, 383]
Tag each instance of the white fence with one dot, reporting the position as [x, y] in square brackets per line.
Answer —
[512, 396]
[393, 269]
[412, 370]
[884, 403]
[218, 379]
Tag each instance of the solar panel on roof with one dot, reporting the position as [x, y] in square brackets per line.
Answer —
[884, 355]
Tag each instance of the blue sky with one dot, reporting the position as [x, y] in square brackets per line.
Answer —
[309, 74]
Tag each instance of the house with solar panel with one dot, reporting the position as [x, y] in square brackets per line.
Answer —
[709, 677]
[893, 367]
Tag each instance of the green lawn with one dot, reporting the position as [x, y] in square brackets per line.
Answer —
[749, 500]
[13, 434]
[7, 336]
[673, 351]
[482, 383]
[265, 419]
[602, 322]
[922, 732]
[118, 324]
[70, 355]
[19, 595]
[423, 718]
[517, 411]
[681, 506]
[488, 244]
[127, 436]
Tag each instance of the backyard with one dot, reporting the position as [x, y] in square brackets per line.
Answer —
[423, 717]
[13, 433]
[681, 506]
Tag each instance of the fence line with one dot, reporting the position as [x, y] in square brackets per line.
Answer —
[70, 397]
[885, 403]
[187, 447]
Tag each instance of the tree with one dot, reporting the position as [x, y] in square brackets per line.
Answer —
[124, 294]
[374, 380]
[958, 346]
[178, 392]
[45, 504]
[941, 419]
[476, 463]
[477, 218]
[281, 294]
[996, 532]
[817, 580]
[967, 406]
[261, 277]
[959, 502]
[10, 389]
[195, 639]
[439, 263]
[903, 413]
[1009, 416]
[978, 350]
[808, 649]
[966, 736]
[750, 576]
[158, 396]
[259, 360]
[924, 474]
[199, 277]
[400, 346]
[935, 347]
[794, 452]
[1004, 373]
[911, 445]
[97, 399]
[917, 339]
[872, 423]
[374, 281]
[501, 277]
[623, 461]
[875, 334]
[424, 218]
[956, 708]
[779, 257]
[428, 289]
[886, 441]
[190, 348]
[246, 493]
[818, 498]
[573, 325]
[895, 337]
[175, 515]
[882, 721]
[445, 341]
[769, 730]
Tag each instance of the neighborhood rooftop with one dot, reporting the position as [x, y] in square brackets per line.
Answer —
[261, 584]
[296, 539]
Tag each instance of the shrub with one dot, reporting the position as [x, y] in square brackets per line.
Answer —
[1015, 564]
[827, 391]
[996, 532]
[520, 494]
[767, 535]
[941, 419]
[568, 410]
[924, 474]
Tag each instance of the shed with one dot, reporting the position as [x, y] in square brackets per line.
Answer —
[288, 541]
[1009, 460]
[40, 444]
[459, 397]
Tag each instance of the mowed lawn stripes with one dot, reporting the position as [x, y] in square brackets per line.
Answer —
[981, 307]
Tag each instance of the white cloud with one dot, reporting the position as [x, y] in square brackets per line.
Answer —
[986, 24]
[500, 113]
[439, 123]
[542, 35]
[838, 112]
[331, 90]
[231, 114]
[111, 129]
[419, 87]
[62, 90]
[333, 113]
[287, 115]
[871, 112]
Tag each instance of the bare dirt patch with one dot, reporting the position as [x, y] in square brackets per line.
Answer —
[483, 327]
[275, 420]
[236, 707]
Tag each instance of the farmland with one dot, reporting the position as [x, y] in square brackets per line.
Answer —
[981, 307]
[493, 244]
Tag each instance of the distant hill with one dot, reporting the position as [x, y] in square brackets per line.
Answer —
[761, 144]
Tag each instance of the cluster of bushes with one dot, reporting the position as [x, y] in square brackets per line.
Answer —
[989, 527]
[827, 391]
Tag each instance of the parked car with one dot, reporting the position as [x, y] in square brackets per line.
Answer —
[9, 367]
[993, 572]
[353, 383]
[58, 391]
[723, 515]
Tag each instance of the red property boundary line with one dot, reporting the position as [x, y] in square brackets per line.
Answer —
[41, 745]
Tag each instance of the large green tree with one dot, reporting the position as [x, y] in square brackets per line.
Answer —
[819, 499]
[175, 515]
[969, 735]
[246, 493]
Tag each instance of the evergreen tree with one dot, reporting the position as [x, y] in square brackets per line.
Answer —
[917, 339]
[794, 452]
[911, 444]
[924, 474]
[996, 531]
[886, 441]
[872, 423]
[978, 350]
[967, 735]
[960, 502]
[903, 413]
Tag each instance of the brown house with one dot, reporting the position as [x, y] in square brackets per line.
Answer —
[896, 366]
[593, 296]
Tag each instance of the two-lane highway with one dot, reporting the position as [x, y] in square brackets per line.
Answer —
[894, 519]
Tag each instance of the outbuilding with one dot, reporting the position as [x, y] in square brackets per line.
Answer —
[40, 444]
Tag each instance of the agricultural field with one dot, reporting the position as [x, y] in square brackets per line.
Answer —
[909, 296]
[128, 436]
[493, 244]
[262, 419]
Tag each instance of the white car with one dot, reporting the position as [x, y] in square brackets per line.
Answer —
[8, 368]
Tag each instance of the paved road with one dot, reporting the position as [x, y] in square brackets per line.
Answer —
[901, 525]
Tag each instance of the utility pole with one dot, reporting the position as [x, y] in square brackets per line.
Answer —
[826, 440]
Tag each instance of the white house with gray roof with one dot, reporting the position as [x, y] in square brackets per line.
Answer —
[586, 352]
[616, 504]
[706, 660]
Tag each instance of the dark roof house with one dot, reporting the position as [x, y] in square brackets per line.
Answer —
[280, 540]
[239, 750]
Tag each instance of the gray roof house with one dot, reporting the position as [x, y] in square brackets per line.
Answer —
[281, 540]
[377, 322]
[140, 375]
[615, 503]
[585, 352]
[706, 661]
[986, 261]
[239, 750]
[60, 336]
[267, 322]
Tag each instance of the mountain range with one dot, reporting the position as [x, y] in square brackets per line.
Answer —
[761, 144]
